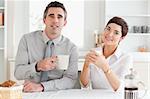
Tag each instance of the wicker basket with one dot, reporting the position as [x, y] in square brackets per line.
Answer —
[11, 93]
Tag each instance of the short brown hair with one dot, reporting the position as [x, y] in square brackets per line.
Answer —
[121, 22]
[57, 5]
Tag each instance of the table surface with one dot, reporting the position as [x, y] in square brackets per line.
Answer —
[78, 93]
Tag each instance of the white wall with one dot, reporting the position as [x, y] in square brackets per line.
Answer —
[94, 15]
[18, 23]
[10, 20]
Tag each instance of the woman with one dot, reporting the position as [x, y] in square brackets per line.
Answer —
[106, 70]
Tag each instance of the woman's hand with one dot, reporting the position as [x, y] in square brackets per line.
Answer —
[97, 59]
[87, 59]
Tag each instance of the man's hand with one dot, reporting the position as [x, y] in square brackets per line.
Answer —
[32, 87]
[49, 63]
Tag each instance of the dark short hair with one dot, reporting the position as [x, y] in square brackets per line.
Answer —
[121, 22]
[57, 5]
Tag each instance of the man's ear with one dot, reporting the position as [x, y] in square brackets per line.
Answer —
[65, 22]
[43, 20]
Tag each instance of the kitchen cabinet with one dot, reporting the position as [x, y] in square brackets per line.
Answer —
[141, 64]
[142, 69]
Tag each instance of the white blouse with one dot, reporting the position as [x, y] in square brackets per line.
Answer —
[119, 63]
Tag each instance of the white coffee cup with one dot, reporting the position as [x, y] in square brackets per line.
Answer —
[98, 51]
[63, 62]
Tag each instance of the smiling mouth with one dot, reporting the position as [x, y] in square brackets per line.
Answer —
[54, 26]
[108, 39]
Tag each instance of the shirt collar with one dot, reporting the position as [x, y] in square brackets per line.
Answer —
[117, 52]
[46, 39]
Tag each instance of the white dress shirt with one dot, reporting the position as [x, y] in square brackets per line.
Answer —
[119, 63]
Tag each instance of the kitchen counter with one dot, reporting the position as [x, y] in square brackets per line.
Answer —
[78, 93]
[141, 56]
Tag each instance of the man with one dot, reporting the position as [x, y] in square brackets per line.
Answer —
[31, 62]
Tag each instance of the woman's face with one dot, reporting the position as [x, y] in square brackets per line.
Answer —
[112, 34]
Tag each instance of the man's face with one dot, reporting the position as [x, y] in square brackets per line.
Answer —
[54, 21]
